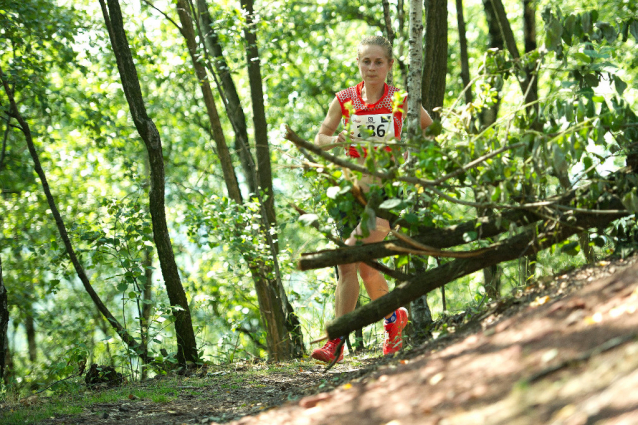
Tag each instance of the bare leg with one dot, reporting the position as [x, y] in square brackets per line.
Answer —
[348, 284]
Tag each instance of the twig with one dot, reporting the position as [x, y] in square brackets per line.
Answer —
[337, 350]
[438, 253]
[298, 141]
[476, 162]
[4, 142]
[166, 16]
[409, 240]
[323, 338]
[58, 381]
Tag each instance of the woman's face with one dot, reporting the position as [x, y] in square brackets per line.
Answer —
[373, 63]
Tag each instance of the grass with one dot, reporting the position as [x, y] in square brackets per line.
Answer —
[35, 409]
[77, 398]
[29, 414]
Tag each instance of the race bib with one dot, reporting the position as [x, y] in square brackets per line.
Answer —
[378, 127]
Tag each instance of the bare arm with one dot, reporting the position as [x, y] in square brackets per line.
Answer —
[426, 121]
[325, 137]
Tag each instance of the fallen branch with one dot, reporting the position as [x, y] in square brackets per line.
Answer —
[530, 241]
[485, 227]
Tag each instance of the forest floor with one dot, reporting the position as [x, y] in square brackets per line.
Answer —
[562, 352]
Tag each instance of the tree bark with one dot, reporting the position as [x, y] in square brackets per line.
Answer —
[389, 33]
[284, 337]
[421, 314]
[147, 304]
[435, 67]
[29, 327]
[262, 147]
[506, 29]
[415, 70]
[4, 323]
[488, 115]
[24, 127]
[529, 34]
[465, 64]
[289, 341]
[209, 101]
[234, 111]
[186, 344]
[531, 241]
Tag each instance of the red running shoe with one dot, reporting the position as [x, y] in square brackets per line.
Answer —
[394, 332]
[328, 351]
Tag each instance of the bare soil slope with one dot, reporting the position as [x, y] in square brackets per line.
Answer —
[564, 352]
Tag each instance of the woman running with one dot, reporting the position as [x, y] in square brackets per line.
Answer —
[367, 107]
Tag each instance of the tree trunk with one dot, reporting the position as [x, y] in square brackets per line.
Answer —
[389, 33]
[186, 344]
[29, 327]
[24, 127]
[402, 35]
[233, 105]
[488, 115]
[4, 324]
[284, 338]
[147, 304]
[465, 64]
[284, 323]
[529, 31]
[435, 67]
[262, 148]
[506, 29]
[209, 101]
[415, 73]
[421, 314]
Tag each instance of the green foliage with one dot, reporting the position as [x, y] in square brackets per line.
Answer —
[58, 60]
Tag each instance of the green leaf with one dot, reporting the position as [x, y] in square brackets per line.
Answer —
[595, 54]
[582, 57]
[633, 28]
[586, 20]
[591, 80]
[309, 219]
[609, 32]
[570, 248]
[132, 294]
[333, 192]
[469, 236]
[630, 201]
[411, 218]
[560, 164]
[402, 261]
[122, 286]
[620, 85]
[554, 31]
[393, 203]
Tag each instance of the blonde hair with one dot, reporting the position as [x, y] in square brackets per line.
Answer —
[377, 40]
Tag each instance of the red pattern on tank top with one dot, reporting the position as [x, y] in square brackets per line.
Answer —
[382, 106]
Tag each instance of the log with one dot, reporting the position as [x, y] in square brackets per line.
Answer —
[530, 241]
[452, 236]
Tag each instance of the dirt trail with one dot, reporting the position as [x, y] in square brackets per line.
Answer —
[565, 355]
[564, 352]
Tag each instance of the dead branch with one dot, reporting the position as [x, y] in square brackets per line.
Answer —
[530, 241]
